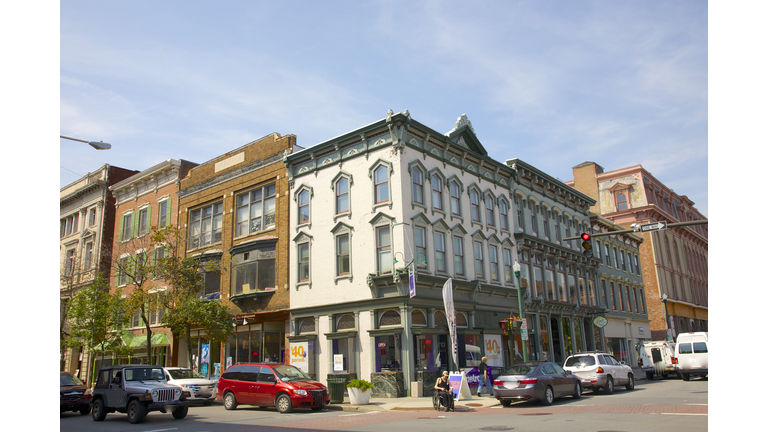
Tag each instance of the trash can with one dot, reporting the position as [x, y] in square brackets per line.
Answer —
[337, 387]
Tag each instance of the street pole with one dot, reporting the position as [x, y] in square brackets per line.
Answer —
[666, 314]
[516, 267]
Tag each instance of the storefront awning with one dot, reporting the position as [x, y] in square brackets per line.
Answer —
[158, 339]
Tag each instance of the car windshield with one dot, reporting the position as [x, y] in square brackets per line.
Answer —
[184, 374]
[69, 380]
[290, 373]
[519, 370]
[580, 361]
[143, 374]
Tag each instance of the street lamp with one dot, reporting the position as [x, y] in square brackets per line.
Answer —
[666, 314]
[516, 268]
[98, 145]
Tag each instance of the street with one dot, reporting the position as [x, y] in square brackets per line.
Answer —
[659, 405]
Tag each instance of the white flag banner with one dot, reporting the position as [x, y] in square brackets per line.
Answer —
[450, 313]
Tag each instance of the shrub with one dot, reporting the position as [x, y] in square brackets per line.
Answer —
[362, 384]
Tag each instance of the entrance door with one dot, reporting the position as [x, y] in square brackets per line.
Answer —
[556, 346]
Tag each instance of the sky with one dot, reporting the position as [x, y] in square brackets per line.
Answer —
[552, 83]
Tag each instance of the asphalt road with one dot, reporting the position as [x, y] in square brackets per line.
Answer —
[659, 405]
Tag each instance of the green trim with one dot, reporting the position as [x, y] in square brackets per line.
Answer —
[341, 335]
[386, 332]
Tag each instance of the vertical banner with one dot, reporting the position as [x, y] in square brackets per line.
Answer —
[299, 359]
[493, 350]
[450, 313]
[338, 362]
[412, 281]
[205, 353]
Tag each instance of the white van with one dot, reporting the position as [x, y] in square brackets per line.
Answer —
[692, 354]
[658, 358]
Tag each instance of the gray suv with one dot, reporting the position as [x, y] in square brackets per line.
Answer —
[600, 371]
[136, 390]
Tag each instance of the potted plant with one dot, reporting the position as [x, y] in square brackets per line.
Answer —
[359, 391]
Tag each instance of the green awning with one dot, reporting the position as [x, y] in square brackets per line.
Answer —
[139, 341]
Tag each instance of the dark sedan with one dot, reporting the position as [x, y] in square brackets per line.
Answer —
[74, 395]
[543, 381]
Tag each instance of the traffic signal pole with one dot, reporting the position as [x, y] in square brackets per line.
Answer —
[672, 225]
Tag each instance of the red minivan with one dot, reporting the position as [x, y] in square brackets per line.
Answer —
[270, 384]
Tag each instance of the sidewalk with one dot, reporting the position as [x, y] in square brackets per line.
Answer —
[413, 404]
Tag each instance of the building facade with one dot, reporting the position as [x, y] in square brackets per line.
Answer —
[87, 221]
[145, 200]
[621, 289]
[234, 210]
[674, 261]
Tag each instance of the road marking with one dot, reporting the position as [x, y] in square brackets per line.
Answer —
[158, 430]
[681, 414]
[698, 404]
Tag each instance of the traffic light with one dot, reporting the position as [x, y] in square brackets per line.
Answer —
[586, 244]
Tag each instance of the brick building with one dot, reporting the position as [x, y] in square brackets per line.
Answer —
[234, 209]
[87, 212]
[674, 261]
[145, 200]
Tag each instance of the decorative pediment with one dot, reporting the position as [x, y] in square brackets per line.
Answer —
[420, 217]
[342, 228]
[619, 186]
[302, 237]
[381, 217]
[478, 235]
[439, 223]
[86, 234]
[458, 228]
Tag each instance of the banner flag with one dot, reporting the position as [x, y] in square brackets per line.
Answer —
[450, 313]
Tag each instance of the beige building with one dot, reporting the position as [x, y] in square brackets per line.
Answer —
[674, 261]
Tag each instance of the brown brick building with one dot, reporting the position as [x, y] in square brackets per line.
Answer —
[234, 209]
[674, 261]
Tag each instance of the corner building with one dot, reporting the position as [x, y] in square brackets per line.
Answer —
[674, 261]
[234, 210]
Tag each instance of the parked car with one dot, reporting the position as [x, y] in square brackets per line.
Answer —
[543, 381]
[74, 395]
[692, 354]
[600, 371]
[200, 389]
[658, 357]
[271, 384]
[136, 390]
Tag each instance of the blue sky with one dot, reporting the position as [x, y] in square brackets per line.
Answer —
[553, 83]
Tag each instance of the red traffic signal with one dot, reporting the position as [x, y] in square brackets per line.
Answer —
[586, 244]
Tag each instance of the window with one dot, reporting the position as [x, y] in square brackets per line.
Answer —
[557, 226]
[303, 207]
[159, 256]
[342, 195]
[255, 211]
[143, 221]
[455, 199]
[561, 292]
[437, 192]
[637, 303]
[92, 217]
[342, 255]
[623, 264]
[88, 255]
[615, 298]
[254, 271]
[621, 297]
[122, 273]
[458, 256]
[545, 219]
[503, 218]
[507, 265]
[519, 210]
[493, 257]
[490, 218]
[621, 201]
[550, 278]
[164, 218]
[534, 225]
[629, 299]
[474, 204]
[567, 223]
[616, 257]
[126, 228]
[205, 225]
[479, 263]
[598, 246]
[607, 255]
[440, 251]
[383, 250]
[418, 185]
[604, 293]
[303, 262]
[420, 247]
[381, 184]
[69, 266]
[637, 265]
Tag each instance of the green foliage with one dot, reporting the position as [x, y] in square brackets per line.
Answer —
[93, 313]
[361, 384]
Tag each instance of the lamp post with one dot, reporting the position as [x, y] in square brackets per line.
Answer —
[666, 314]
[516, 268]
[98, 145]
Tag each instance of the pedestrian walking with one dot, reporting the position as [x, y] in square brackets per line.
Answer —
[483, 381]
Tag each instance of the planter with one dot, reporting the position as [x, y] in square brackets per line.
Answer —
[359, 397]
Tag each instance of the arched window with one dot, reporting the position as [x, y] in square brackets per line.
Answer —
[437, 192]
[389, 318]
[490, 219]
[342, 195]
[307, 326]
[418, 185]
[461, 319]
[503, 220]
[381, 184]
[303, 206]
[621, 202]
[474, 204]
[455, 199]
[440, 318]
[346, 322]
[418, 317]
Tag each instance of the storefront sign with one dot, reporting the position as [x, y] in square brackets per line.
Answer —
[299, 356]
[493, 350]
[205, 353]
[338, 362]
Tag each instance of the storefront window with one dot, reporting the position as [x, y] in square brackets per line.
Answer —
[273, 347]
[388, 353]
[343, 347]
[532, 344]
[577, 335]
[544, 337]
[598, 342]
[567, 338]
[469, 351]
[427, 349]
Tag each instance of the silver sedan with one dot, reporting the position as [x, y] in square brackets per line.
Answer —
[543, 381]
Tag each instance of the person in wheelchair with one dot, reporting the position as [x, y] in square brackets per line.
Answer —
[443, 388]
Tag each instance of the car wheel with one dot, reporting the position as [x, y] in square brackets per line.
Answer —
[608, 387]
[505, 402]
[230, 402]
[685, 376]
[631, 383]
[180, 412]
[136, 412]
[85, 410]
[549, 396]
[99, 413]
[577, 391]
[283, 404]
[649, 375]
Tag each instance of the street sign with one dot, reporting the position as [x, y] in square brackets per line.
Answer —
[524, 334]
[656, 226]
[524, 324]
